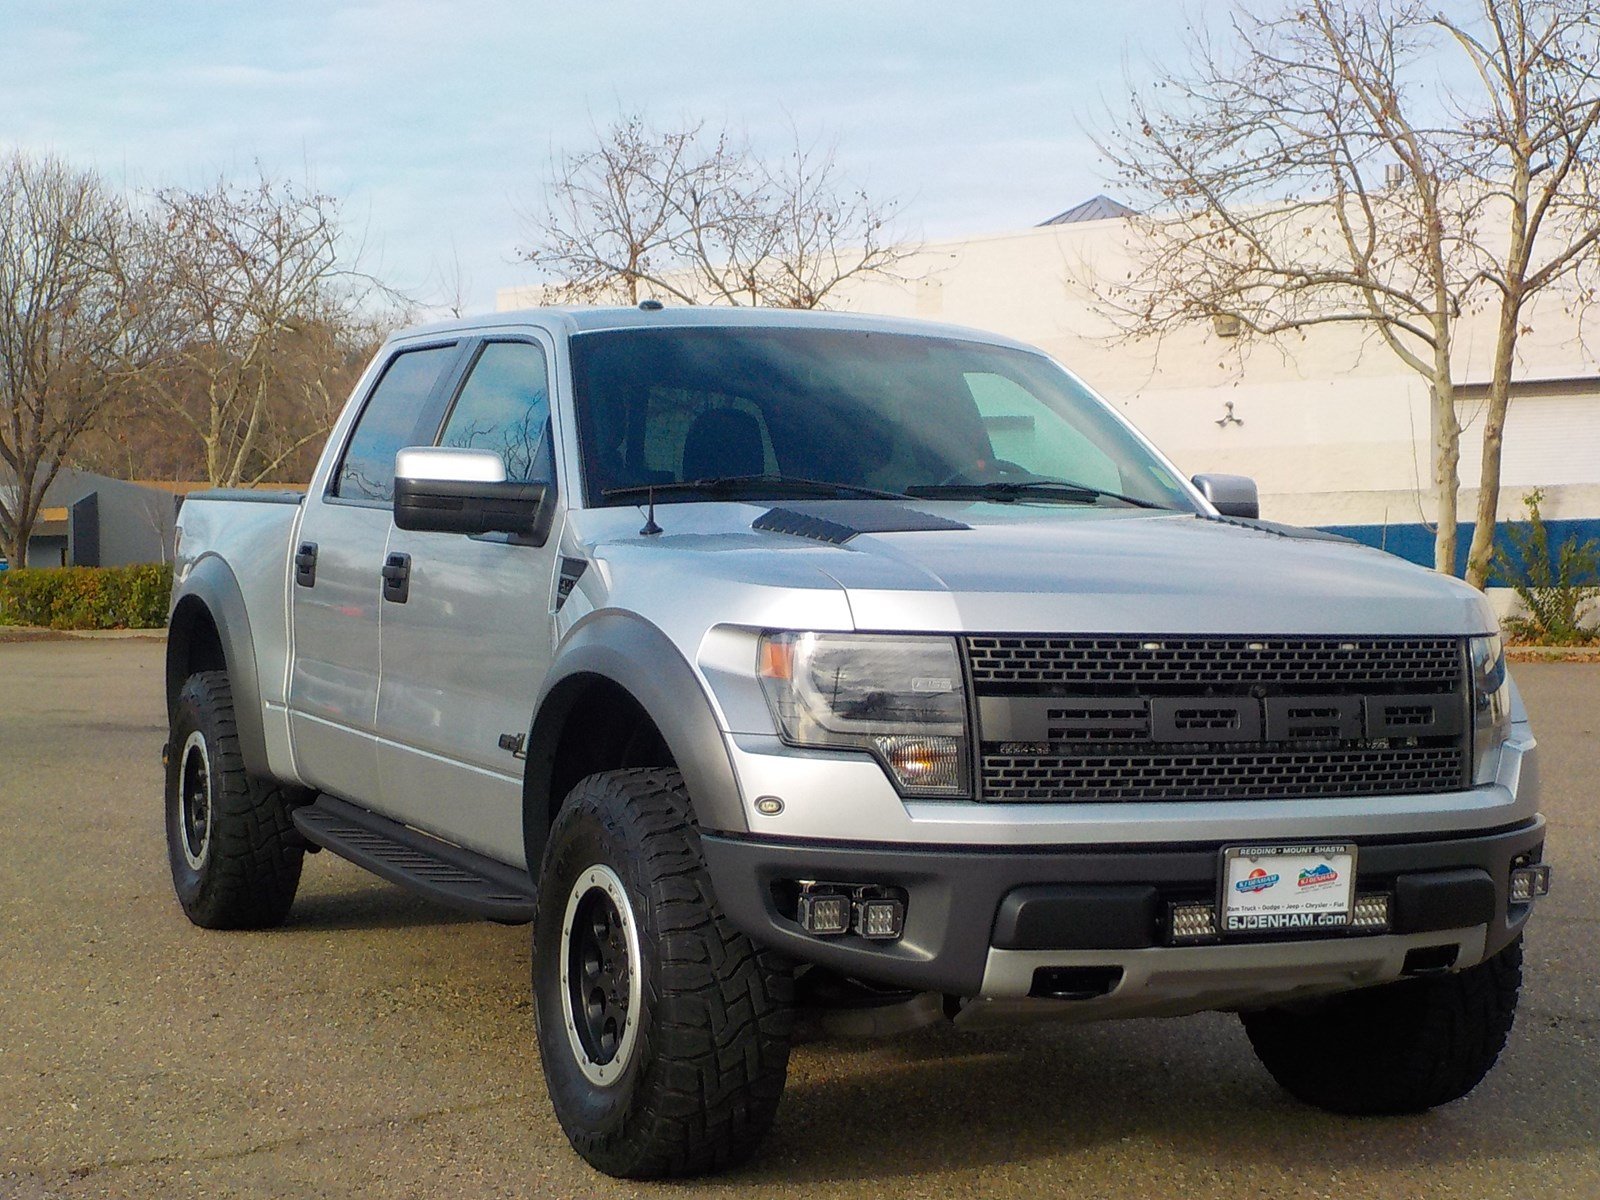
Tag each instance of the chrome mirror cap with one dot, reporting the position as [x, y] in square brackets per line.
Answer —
[448, 464]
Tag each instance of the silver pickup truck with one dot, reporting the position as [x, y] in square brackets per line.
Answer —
[767, 661]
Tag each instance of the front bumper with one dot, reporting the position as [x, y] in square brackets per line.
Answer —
[984, 922]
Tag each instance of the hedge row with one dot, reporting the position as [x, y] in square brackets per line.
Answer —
[87, 597]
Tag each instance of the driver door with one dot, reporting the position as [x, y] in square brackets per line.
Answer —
[465, 649]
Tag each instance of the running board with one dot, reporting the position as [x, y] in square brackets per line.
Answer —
[449, 874]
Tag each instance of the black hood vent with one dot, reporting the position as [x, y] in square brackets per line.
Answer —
[837, 521]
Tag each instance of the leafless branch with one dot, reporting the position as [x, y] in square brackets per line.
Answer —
[695, 215]
[1264, 173]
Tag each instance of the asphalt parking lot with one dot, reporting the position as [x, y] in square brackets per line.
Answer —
[381, 1046]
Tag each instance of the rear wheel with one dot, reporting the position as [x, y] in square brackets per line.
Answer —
[235, 861]
[1402, 1048]
[663, 1032]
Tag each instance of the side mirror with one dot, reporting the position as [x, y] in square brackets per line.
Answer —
[440, 489]
[1231, 495]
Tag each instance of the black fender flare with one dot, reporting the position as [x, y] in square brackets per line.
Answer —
[210, 588]
[636, 656]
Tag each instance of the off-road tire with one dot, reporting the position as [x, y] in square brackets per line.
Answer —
[1401, 1048]
[245, 870]
[700, 1085]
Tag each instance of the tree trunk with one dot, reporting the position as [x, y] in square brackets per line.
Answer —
[1480, 558]
[24, 507]
[15, 545]
[15, 549]
[1446, 481]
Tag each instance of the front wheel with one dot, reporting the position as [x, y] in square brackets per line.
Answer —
[663, 1032]
[1401, 1048]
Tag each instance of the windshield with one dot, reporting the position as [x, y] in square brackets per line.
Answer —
[890, 413]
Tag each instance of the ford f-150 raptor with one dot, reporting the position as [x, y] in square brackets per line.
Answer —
[752, 655]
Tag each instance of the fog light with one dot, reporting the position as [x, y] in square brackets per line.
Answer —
[1192, 922]
[825, 914]
[880, 919]
[1529, 883]
[1371, 913]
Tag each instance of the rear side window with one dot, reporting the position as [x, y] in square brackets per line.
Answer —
[505, 406]
[396, 415]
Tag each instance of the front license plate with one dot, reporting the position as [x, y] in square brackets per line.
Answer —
[1274, 889]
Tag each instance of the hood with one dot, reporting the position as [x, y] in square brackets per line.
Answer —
[1021, 568]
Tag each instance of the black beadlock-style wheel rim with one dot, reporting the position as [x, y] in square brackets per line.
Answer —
[194, 800]
[600, 983]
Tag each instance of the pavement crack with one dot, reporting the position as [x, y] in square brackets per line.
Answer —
[310, 1137]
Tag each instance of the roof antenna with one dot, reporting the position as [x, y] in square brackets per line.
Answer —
[650, 527]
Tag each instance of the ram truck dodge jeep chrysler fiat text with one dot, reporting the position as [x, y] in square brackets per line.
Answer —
[764, 658]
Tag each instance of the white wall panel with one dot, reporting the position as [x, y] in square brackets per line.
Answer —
[1549, 441]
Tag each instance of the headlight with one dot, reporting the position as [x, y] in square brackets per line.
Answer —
[1491, 706]
[902, 698]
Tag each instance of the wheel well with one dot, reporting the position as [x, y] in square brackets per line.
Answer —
[588, 724]
[193, 644]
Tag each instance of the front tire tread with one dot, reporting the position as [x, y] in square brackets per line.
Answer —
[714, 1054]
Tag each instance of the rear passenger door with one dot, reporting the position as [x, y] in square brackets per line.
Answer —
[466, 648]
[336, 589]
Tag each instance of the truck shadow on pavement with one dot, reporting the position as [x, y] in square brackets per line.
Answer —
[1177, 1098]
[371, 903]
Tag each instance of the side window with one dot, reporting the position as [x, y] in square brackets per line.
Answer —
[1030, 434]
[505, 406]
[396, 415]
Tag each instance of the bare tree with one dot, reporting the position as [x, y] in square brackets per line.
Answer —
[1317, 168]
[261, 320]
[70, 319]
[696, 215]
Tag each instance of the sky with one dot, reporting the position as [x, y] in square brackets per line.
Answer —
[435, 123]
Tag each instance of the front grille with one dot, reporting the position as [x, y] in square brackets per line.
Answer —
[1286, 664]
[1233, 775]
[1183, 718]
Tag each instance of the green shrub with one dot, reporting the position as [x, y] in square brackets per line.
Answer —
[87, 597]
[1555, 588]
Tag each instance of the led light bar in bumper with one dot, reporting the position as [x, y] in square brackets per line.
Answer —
[1194, 922]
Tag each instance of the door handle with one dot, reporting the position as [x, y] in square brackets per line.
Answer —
[305, 565]
[397, 578]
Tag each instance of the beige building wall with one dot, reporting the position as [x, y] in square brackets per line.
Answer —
[1332, 426]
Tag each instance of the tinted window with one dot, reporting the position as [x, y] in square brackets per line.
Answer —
[1025, 431]
[397, 415]
[505, 407]
[877, 410]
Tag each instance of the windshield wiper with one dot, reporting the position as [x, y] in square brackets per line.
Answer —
[767, 486]
[1010, 490]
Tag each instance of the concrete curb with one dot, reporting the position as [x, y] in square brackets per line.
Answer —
[1529, 654]
[35, 633]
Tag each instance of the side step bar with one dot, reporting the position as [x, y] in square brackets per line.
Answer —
[449, 874]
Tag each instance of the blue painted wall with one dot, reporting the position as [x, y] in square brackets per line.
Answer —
[1415, 542]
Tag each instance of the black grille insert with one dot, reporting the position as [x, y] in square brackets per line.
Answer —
[1164, 718]
[1253, 774]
